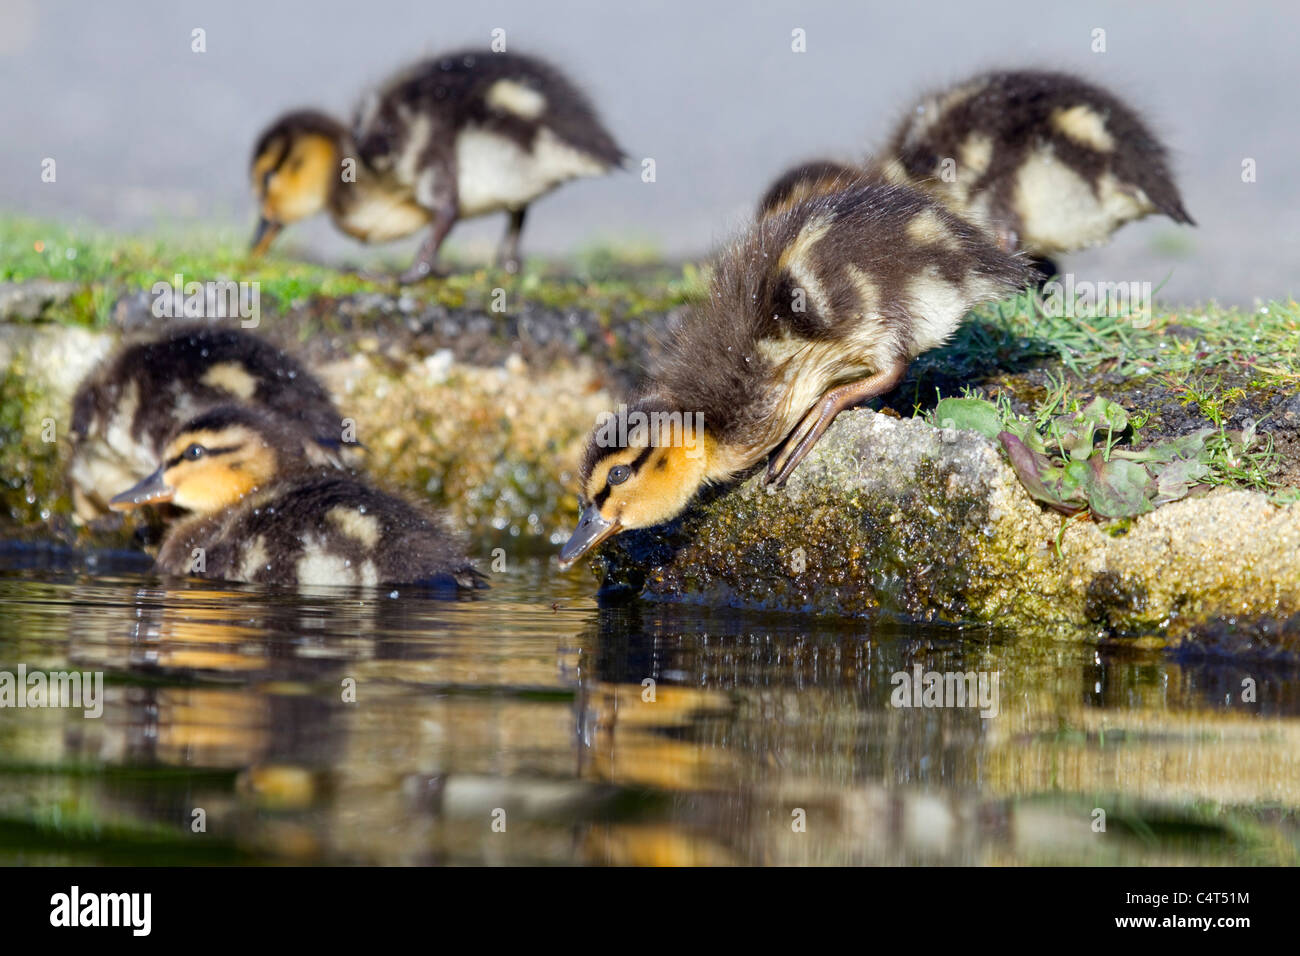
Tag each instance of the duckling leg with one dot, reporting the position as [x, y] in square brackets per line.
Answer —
[508, 254]
[425, 265]
[814, 424]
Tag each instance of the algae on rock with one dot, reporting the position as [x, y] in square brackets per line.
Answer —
[898, 517]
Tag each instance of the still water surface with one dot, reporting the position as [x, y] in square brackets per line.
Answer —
[251, 726]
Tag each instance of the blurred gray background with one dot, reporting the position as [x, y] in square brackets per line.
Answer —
[148, 134]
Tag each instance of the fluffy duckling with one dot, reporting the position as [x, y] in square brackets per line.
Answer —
[263, 513]
[1046, 161]
[802, 182]
[458, 136]
[125, 410]
[815, 310]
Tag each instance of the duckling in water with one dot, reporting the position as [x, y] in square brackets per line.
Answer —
[263, 513]
[805, 181]
[454, 137]
[126, 409]
[815, 310]
[1048, 162]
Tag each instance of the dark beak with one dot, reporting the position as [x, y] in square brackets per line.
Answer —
[265, 235]
[592, 529]
[149, 491]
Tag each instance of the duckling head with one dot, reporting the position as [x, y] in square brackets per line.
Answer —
[213, 461]
[641, 468]
[805, 181]
[295, 169]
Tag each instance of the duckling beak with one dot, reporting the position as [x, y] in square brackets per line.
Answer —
[265, 235]
[593, 528]
[148, 491]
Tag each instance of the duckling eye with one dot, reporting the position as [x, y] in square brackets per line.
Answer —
[618, 474]
[194, 452]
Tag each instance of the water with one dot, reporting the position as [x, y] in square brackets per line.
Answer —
[516, 727]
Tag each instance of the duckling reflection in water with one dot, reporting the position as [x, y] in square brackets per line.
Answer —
[458, 136]
[126, 409]
[815, 310]
[263, 513]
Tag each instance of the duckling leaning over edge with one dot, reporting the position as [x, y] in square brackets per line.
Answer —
[815, 310]
[454, 137]
[125, 410]
[804, 181]
[1049, 162]
[263, 513]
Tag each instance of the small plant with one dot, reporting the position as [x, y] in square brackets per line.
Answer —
[1084, 459]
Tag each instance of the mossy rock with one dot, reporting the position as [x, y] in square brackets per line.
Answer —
[892, 516]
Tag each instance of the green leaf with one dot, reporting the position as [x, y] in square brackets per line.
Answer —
[1029, 468]
[1078, 441]
[1074, 480]
[1174, 479]
[972, 414]
[1119, 488]
[1104, 413]
[1171, 449]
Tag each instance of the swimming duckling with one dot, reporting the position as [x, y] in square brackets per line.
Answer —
[124, 411]
[804, 181]
[815, 310]
[1048, 162]
[457, 136]
[264, 513]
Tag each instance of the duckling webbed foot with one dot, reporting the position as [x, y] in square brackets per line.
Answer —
[814, 424]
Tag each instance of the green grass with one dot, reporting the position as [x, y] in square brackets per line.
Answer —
[618, 282]
[1182, 343]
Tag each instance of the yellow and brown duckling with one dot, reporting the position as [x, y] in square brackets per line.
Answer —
[126, 409]
[1048, 162]
[262, 512]
[815, 310]
[458, 136]
[802, 182]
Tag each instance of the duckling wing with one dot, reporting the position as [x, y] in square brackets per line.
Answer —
[323, 528]
[423, 110]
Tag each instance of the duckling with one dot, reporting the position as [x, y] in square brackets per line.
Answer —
[802, 182]
[264, 513]
[816, 309]
[1046, 161]
[458, 136]
[124, 411]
